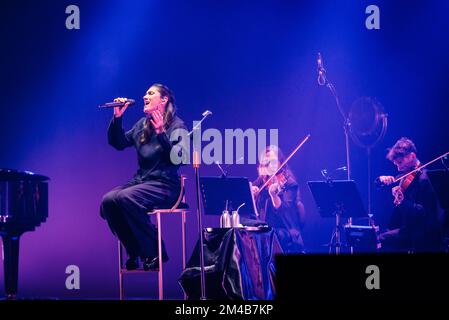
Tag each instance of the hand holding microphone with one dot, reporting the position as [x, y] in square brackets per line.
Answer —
[119, 110]
[119, 105]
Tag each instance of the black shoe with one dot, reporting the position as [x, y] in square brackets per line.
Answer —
[132, 264]
[152, 264]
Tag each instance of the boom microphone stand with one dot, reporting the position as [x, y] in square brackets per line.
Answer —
[196, 166]
[322, 80]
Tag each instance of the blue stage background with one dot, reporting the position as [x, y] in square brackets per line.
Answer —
[253, 64]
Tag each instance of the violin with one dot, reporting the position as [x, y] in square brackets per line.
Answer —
[406, 179]
[279, 174]
[398, 191]
[280, 179]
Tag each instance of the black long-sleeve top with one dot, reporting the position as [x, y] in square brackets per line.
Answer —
[417, 218]
[153, 155]
[289, 216]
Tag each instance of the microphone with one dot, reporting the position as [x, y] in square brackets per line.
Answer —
[445, 161]
[117, 104]
[325, 174]
[224, 174]
[205, 114]
[321, 71]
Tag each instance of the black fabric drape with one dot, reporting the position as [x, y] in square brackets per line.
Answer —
[239, 264]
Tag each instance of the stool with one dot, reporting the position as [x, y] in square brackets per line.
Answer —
[179, 207]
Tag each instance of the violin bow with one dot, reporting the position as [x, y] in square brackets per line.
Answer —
[283, 164]
[419, 168]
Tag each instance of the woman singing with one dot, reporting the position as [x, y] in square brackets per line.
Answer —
[155, 184]
[279, 204]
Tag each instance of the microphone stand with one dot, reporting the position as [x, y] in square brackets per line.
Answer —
[346, 126]
[322, 80]
[223, 173]
[196, 166]
[198, 125]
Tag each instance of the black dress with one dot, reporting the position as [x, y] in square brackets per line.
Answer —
[287, 220]
[155, 184]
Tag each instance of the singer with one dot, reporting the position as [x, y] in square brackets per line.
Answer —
[155, 184]
[416, 219]
[280, 205]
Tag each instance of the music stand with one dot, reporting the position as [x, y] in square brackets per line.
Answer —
[221, 192]
[339, 199]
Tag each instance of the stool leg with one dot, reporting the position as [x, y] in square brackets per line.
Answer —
[159, 244]
[120, 273]
[183, 227]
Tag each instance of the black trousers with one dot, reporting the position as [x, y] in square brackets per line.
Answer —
[126, 208]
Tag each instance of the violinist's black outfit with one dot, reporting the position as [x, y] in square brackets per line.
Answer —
[287, 220]
[417, 220]
[155, 184]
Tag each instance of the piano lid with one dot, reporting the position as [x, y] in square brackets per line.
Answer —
[16, 175]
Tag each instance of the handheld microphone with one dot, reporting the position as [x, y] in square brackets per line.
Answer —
[117, 104]
[321, 71]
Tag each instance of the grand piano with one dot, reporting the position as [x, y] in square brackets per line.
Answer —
[23, 207]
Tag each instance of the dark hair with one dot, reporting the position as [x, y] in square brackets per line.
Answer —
[170, 110]
[403, 147]
[281, 159]
[170, 106]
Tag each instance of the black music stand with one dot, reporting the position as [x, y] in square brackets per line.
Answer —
[337, 199]
[221, 192]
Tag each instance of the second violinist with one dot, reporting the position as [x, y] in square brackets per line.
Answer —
[279, 203]
[414, 224]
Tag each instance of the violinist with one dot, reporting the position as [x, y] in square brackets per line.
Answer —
[414, 223]
[279, 203]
